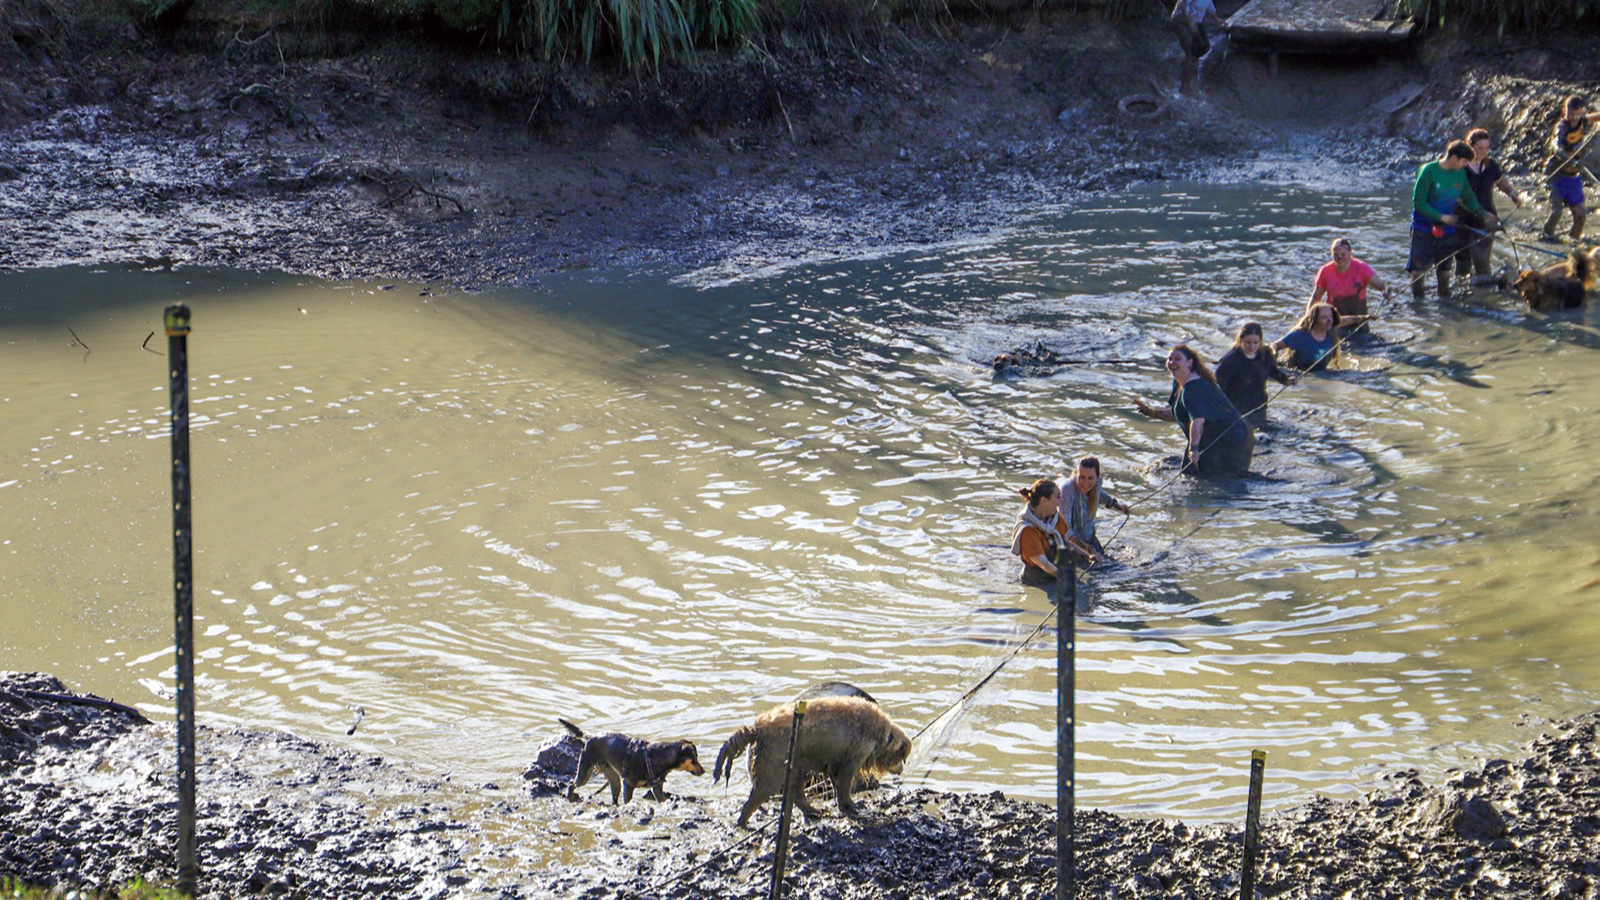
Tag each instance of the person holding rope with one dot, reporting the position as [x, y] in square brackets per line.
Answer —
[1084, 496]
[1313, 345]
[1564, 167]
[1041, 534]
[1220, 443]
[1343, 282]
[1484, 176]
[1441, 185]
[1243, 371]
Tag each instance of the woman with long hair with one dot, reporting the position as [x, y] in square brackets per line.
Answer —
[1219, 443]
[1084, 497]
[1314, 342]
[1242, 374]
[1042, 533]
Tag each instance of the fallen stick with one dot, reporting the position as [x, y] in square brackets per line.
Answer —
[89, 701]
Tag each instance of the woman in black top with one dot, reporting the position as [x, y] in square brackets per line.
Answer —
[1242, 374]
[1218, 443]
[1483, 176]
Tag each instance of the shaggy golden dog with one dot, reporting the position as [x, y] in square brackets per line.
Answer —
[839, 738]
[1560, 286]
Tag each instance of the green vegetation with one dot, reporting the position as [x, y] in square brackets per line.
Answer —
[11, 889]
[1507, 15]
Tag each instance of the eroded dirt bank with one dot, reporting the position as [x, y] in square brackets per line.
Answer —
[355, 155]
[89, 799]
[361, 156]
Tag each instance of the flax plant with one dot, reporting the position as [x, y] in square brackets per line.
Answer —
[636, 32]
[1508, 15]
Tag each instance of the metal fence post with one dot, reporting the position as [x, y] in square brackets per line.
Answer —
[780, 853]
[1066, 749]
[1252, 826]
[177, 325]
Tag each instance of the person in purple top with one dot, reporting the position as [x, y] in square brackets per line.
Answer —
[1564, 167]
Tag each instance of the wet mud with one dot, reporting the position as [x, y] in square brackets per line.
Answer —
[394, 161]
[374, 159]
[89, 799]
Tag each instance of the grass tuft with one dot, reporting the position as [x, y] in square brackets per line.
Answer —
[1506, 15]
[138, 889]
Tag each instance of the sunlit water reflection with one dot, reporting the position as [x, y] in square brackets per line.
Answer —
[662, 505]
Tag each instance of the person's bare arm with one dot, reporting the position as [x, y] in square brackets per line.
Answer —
[1154, 412]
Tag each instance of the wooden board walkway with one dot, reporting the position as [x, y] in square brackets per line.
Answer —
[1319, 26]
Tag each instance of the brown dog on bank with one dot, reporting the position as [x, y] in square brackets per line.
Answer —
[630, 762]
[839, 737]
[1560, 286]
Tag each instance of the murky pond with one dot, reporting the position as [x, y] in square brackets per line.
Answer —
[661, 505]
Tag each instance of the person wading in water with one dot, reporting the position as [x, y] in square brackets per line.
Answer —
[1220, 443]
[1041, 533]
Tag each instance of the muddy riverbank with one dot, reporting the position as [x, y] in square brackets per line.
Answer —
[384, 159]
[355, 156]
[89, 799]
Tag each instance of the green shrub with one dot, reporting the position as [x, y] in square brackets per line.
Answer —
[636, 32]
[715, 23]
[137, 889]
[1507, 15]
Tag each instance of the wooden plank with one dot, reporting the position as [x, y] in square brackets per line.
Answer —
[1319, 26]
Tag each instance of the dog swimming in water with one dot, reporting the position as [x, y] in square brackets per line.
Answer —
[630, 762]
[1035, 360]
[840, 737]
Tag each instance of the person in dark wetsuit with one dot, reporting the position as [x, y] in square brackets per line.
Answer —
[1220, 443]
[1242, 374]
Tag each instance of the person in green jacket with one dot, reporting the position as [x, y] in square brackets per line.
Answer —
[1441, 185]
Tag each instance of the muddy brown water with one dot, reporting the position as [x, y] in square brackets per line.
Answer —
[661, 504]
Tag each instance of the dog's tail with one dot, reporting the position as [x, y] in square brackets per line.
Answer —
[1581, 266]
[730, 752]
[572, 729]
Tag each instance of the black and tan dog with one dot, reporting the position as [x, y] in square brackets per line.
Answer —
[1560, 286]
[840, 737]
[1031, 360]
[630, 762]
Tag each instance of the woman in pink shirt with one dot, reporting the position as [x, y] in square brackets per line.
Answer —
[1343, 283]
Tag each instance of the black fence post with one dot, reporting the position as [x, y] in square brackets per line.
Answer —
[1252, 826]
[780, 853]
[1066, 749]
[177, 325]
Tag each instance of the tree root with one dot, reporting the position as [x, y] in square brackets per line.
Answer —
[400, 186]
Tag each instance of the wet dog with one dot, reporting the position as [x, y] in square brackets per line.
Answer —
[1560, 286]
[630, 762]
[840, 738]
[1035, 360]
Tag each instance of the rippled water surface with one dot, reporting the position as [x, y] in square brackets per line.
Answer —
[662, 505]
